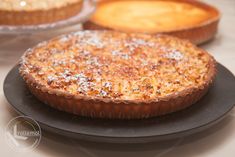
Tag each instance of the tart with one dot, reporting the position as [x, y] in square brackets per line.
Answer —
[32, 12]
[108, 74]
[188, 19]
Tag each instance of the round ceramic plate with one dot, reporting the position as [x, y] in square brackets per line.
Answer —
[87, 9]
[209, 110]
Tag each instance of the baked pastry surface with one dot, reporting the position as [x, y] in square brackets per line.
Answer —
[154, 16]
[110, 74]
[30, 12]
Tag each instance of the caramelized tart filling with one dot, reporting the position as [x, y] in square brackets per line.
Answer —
[116, 65]
[149, 16]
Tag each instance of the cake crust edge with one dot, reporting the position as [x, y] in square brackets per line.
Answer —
[36, 17]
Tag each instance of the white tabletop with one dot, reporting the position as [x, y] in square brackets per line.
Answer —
[215, 142]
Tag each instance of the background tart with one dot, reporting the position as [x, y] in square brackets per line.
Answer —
[110, 74]
[187, 19]
[30, 12]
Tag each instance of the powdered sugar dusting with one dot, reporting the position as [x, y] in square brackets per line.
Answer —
[174, 54]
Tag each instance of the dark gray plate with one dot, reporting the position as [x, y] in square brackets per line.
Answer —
[208, 111]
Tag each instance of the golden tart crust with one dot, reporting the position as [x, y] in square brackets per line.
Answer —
[31, 12]
[109, 74]
[181, 18]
